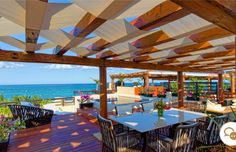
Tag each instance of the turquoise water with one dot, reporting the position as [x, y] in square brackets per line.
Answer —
[44, 90]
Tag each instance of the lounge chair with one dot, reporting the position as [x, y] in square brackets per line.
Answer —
[33, 116]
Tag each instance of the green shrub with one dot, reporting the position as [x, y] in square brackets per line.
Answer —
[4, 110]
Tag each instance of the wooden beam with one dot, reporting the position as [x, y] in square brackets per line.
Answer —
[180, 89]
[34, 18]
[213, 11]
[103, 91]
[47, 58]
[85, 26]
[204, 56]
[90, 22]
[201, 38]
[160, 15]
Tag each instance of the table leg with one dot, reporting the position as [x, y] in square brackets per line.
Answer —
[143, 135]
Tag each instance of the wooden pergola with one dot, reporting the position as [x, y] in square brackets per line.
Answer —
[161, 75]
[173, 35]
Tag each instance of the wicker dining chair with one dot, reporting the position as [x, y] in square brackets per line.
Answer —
[147, 106]
[183, 140]
[209, 131]
[112, 142]
[33, 116]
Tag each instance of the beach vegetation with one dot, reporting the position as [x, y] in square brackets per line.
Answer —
[35, 100]
[2, 98]
[96, 81]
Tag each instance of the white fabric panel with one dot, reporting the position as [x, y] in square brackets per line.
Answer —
[112, 30]
[47, 45]
[81, 51]
[69, 16]
[88, 41]
[7, 27]
[14, 11]
[185, 25]
[161, 54]
[124, 56]
[176, 43]
[190, 58]
[56, 36]
[12, 41]
[213, 61]
[210, 50]
[132, 37]
[222, 41]
[95, 7]
[194, 66]
[122, 48]
[140, 8]
[157, 60]
[225, 57]
[178, 63]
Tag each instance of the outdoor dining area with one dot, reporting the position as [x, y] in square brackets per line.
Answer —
[169, 35]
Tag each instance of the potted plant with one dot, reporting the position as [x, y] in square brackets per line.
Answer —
[174, 88]
[6, 127]
[160, 106]
[85, 101]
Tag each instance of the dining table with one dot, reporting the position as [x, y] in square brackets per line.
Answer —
[144, 122]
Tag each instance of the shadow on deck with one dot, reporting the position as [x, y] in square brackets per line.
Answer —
[66, 133]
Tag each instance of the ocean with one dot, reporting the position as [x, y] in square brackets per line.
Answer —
[45, 91]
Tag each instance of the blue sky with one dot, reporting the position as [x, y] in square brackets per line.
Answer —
[34, 73]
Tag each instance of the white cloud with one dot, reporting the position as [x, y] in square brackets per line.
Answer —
[10, 65]
[68, 66]
[86, 67]
[59, 66]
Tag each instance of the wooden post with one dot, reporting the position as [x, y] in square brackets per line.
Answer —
[232, 82]
[103, 91]
[146, 80]
[209, 84]
[220, 88]
[169, 84]
[152, 82]
[180, 89]
[112, 85]
[235, 67]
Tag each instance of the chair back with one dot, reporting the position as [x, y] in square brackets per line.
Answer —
[147, 106]
[214, 128]
[108, 135]
[184, 137]
[124, 109]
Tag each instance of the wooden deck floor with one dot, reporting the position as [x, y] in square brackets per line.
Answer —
[67, 133]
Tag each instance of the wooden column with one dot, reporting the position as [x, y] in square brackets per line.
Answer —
[152, 82]
[103, 91]
[234, 67]
[112, 85]
[180, 89]
[146, 80]
[209, 84]
[220, 88]
[169, 84]
[232, 82]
